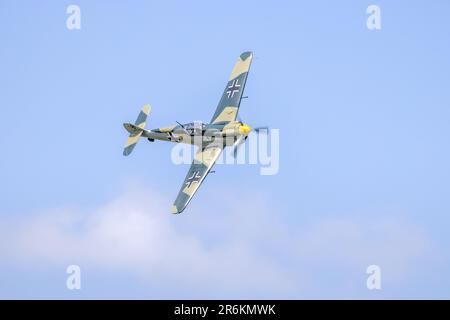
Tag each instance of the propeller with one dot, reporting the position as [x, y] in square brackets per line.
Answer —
[264, 129]
[257, 129]
[237, 144]
[240, 141]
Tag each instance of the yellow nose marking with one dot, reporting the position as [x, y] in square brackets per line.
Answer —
[244, 129]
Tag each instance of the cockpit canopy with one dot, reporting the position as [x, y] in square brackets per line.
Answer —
[195, 127]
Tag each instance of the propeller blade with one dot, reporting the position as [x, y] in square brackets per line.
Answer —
[236, 150]
[257, 129]
[237, 145]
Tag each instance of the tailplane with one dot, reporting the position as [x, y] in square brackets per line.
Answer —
[135, 130]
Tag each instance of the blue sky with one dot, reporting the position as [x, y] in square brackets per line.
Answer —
[364, 175]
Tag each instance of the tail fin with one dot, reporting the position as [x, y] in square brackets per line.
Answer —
[136, 130]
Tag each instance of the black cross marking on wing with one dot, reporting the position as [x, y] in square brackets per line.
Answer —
[233, 88]
[193, 179]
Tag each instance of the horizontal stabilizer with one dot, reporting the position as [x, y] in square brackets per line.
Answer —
[136, 130]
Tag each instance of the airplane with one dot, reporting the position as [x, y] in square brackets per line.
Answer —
[223, 130]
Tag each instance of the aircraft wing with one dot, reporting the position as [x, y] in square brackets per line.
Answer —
[202, 164]
[228, 107]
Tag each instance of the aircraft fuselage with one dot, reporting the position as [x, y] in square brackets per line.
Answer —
[198, 133]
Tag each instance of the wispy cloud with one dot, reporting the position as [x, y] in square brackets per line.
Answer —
[231, 250]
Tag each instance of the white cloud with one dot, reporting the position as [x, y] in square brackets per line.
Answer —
[390, 241]
[233, 250]
[138, 234]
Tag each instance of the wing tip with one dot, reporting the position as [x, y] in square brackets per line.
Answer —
[245, 55]
[174, 210]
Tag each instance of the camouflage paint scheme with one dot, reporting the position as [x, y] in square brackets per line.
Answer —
[222, 131]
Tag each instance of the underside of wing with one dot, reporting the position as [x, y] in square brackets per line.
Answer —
[202, 164]
[228, 107]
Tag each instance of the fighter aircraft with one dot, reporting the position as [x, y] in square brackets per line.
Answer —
[222, 131]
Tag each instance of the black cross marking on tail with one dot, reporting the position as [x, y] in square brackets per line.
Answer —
[233, 88]
[193, 179]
